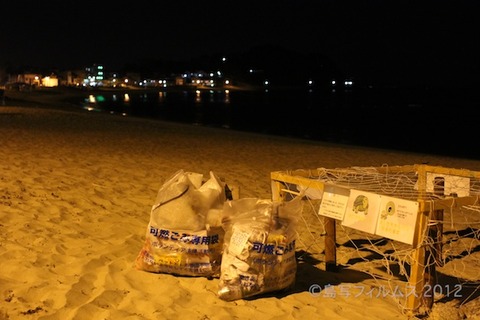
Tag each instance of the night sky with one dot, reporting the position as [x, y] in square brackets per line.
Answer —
[421, 42]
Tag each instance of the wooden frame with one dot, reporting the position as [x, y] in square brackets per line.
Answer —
[422, 272]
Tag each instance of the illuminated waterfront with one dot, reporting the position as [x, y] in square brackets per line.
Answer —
[410, 120]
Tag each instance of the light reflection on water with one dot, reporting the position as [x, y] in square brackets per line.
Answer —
[384, 120]
[251, 111]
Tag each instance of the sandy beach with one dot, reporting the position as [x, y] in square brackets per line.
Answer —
[76, 191]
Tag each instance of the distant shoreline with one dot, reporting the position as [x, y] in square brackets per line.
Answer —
[59, 96]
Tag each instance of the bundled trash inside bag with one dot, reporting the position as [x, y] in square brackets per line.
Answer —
[185, 235]
[259, 247]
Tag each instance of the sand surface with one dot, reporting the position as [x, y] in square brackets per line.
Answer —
[76, 190]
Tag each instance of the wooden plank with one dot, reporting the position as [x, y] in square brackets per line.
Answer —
[452, 171]
[436, 223]
[433, 248]
[416, 280]
[297, 180]
[330, 244]
[308, 173]
[277, 191]
[448, 203]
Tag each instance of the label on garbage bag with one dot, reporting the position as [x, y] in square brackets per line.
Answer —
[183, 252]
[238, 241]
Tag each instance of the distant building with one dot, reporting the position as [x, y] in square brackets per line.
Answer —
[32, 79]
[50, 81]
[94, 76]
[180, 81]
[73, 78]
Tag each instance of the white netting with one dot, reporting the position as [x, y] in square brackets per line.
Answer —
[451, 235]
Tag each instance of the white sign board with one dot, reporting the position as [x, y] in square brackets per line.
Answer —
[397, 219]
[362, 211]
[334, 202]
[452, 184]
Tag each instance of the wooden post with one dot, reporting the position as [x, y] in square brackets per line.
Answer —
[330, 244]
[423, 277]
[430, 274]
[437, 228]
[277, 194]
[416, 282]
[433, 254]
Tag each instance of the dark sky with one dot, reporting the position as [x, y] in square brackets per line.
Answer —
[428, 42]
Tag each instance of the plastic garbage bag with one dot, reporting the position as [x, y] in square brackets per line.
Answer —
[259, 247]
[185, 235]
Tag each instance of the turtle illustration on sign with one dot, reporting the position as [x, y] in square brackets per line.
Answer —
[361, 204]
